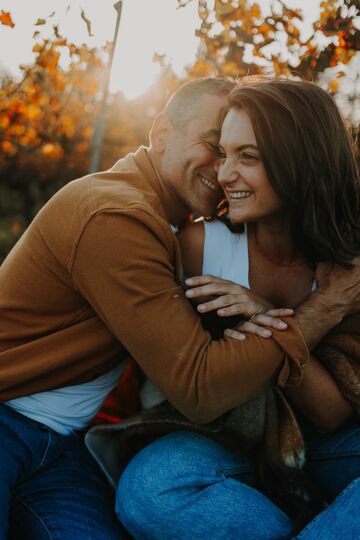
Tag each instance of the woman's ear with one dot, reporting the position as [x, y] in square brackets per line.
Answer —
[160, 131]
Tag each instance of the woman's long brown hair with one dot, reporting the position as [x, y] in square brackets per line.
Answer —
[310, 160]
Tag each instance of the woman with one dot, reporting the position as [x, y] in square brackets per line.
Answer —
[289, 175]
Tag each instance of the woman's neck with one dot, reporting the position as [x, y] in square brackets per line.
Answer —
[274, 240]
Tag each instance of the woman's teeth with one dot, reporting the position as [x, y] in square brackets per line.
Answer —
[239, 194]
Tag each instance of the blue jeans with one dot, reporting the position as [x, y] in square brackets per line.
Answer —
[185, 486]
[50, 486]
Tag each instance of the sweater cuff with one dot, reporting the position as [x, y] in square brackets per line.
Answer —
[296, 354]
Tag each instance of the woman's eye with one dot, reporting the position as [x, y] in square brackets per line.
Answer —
[250, 157]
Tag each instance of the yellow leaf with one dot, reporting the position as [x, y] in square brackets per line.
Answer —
[39, 22]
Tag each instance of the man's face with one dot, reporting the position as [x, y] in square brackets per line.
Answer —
[190, 161]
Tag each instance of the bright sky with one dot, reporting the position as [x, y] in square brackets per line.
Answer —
[147, 26]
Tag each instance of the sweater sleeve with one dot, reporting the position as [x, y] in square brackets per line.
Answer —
[124, 267]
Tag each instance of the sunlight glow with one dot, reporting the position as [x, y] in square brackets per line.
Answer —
[147, 27]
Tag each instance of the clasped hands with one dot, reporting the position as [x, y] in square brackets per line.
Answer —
[338, 289]
[229, 299]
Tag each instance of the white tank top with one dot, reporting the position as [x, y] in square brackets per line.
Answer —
[70, 408]
[226, 253]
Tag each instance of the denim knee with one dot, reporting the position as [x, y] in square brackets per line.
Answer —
[165, 476]
[139, 504]
[183, 486]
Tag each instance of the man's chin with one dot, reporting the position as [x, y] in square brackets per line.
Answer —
[207, 209]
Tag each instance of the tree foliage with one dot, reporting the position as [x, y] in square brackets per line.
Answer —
[240, 37]
[47, 117]
[47, 121]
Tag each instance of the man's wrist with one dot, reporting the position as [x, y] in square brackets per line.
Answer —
[318, 315]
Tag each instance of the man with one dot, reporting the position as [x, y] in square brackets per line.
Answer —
[96, 276]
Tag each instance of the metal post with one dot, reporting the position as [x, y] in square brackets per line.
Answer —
[96, 144]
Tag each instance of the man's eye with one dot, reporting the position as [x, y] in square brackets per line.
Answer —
[215, 148]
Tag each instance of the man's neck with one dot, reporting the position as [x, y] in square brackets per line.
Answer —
[176, 211]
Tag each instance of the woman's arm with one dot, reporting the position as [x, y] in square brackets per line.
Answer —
[318, 397]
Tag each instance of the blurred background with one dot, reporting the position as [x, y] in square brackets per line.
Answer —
[81, 81]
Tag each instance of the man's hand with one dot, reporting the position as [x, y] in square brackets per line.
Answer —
[340, 286]
[338, 295]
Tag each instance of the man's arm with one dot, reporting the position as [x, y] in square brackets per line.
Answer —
[124, 267]
[337, 296]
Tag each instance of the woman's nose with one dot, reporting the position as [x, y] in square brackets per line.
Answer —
[226, 174]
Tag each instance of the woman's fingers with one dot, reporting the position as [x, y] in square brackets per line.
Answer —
[197, 281]
[215, 289]
[280, 312]
[260, 324]
[234, 334]
[271, 318]
[250, 327]
[228, 306]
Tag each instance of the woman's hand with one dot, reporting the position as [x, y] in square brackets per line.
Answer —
[229, 299]
[255, 325]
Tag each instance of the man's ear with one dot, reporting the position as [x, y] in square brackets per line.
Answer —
[160, 131]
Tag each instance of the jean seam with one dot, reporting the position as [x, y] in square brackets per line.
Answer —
[326, 456]
[324, 443]
[44, 455]
[36, 516]
[231, 471]
[317, 518]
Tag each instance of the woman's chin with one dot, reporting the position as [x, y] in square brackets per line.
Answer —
[237, 217]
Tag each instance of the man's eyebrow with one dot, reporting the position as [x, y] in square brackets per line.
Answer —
[211, 133]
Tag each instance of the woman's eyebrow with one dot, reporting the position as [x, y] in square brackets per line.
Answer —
[243, 146]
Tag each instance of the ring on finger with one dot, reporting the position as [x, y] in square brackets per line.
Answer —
[258, 312]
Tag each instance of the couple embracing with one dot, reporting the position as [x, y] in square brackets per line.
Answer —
[98, 276]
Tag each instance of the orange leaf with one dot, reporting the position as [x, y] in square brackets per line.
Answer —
[255, 11]
[333, 86]
[5, 19]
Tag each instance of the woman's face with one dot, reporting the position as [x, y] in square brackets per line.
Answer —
[241, 172]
